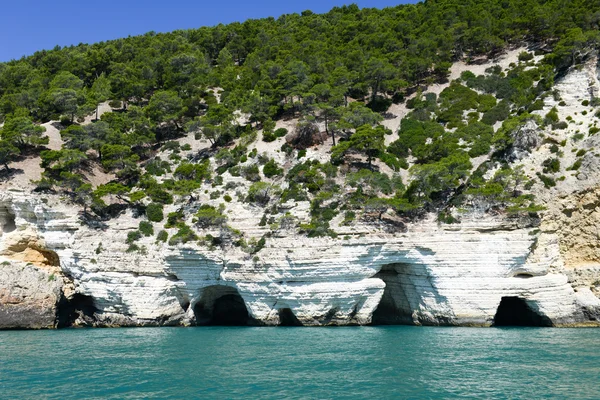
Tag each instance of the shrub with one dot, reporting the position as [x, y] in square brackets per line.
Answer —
[547, 180]
[271, 169]
[248, 138]
[154, 212]
[594, 130]
[157, 167]
[447, 218]
[551, 117]
[227, 198]
[393, 162]
[133, 236]
[349, 217]
[174, 219]
[263, 220]
[281, 132]
[217, 181]
[261, 192]
[132, 248]
[495, 114]
[208, 216]
[268, 137]
[287, 149]
[560, 125]
[195, 172]
[159, 195]
[525, 56]
[536, 106]
[576, 165]
[146, 228]
[551, 165]
[162, 236]
[171, 146]
[184, 234]
[251, 173]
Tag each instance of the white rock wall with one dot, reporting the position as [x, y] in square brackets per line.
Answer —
[452, 274]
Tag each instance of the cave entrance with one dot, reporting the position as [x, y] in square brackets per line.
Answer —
[287, 318]
[79, 310]
[221, 306]
[394, 307]
[514, 311]
[7, 221]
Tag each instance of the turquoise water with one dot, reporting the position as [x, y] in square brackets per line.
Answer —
[302, 363]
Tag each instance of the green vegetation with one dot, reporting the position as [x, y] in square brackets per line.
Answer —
[335, 75]
[209, 216]
[154, 212]
[162, 236]
[271, 169]
[146, 228]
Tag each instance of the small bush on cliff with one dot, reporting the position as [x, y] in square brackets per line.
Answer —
[546, 180]
[154, 212]
[261, 193]
[551, 165]
[271, 169]
[162, 236]
[184, 234]
[525, 56]
[133, 236]
[174, 219]
[146, 228]
[281, 132]
[208, 216]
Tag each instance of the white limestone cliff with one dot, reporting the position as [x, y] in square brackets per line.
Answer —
[431, 274]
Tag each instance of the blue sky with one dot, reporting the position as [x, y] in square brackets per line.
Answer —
[30, 25]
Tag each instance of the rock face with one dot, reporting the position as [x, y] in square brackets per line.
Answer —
[29, 296]
[525, 139]
[431, 274]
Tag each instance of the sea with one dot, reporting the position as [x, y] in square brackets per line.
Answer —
[399, 362]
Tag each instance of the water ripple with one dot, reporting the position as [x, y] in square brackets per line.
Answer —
[301, 363]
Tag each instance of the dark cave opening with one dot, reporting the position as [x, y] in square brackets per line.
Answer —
[78, 310]
[523, 276]
[514, 311]
[9, 224]
[221, 306]
[394, 307]
[287, 318]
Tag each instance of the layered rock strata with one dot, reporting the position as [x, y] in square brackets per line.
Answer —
[431, 274]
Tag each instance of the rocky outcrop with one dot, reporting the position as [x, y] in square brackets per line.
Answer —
[29, 296]
[431, 274]
[573, 221]
[525, 139]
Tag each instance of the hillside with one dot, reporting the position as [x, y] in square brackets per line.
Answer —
[417, 164]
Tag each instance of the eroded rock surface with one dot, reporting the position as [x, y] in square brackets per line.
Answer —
[431, 274]
[29, 296]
